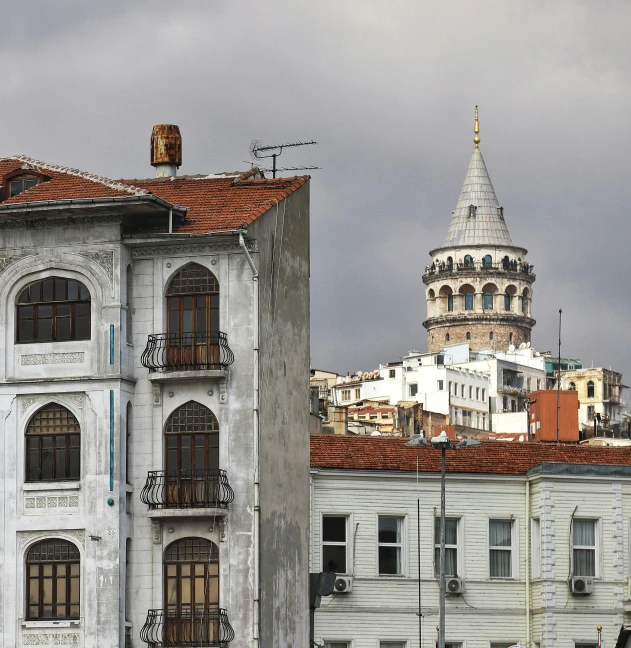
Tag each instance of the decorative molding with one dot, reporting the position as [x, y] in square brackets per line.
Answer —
[104, 258]
[223, 390]
[45, 223]
[5, 262]
[183, 250]
[61, 639]
[157, 393]
[156, 530]
[61, 501]
[52, 358]
[28, 401]
[75, 400]
[25, 537]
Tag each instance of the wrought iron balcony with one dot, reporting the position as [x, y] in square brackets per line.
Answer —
[187, 352]
[199, 627]
[187, 489]
[514, 267]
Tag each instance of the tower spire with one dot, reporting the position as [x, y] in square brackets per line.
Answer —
[476, 129]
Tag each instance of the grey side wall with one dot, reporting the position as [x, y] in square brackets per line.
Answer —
[283, 239]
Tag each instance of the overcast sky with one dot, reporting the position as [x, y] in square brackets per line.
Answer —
[388, 91]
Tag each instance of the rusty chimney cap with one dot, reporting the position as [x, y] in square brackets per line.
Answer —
[166, 145]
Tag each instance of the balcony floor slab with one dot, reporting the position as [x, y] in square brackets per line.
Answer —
[183, 376]
[186, 513]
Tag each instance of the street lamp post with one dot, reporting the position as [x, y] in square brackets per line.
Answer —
[443, 443]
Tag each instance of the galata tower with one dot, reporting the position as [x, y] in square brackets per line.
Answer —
[479, 285]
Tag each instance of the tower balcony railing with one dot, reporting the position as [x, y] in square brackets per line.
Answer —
[187, 489]
[187, 352]
[183, 628]
[513, 267]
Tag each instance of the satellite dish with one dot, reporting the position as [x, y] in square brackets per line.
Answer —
[521, 438]
[511, 348]
[522, 345]
[376, 373]
[528, 345]
[365, 375]
[375, 433]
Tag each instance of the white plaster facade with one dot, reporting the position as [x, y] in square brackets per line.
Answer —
[100, 380]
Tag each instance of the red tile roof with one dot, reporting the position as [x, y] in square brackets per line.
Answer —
[390, 453]
[214, 203]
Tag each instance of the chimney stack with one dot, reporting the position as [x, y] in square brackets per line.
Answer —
[166, 149]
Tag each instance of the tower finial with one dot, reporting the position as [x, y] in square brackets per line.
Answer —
[476, 129]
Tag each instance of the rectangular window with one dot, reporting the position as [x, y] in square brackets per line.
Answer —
[535, 543]
[391, 373]
[590, 412]
[455, 389]
[451, 546]
[390, 545]
[450, 384]
[585, 644]
[413, 389]
[503, 644]
[334, 543]
[470, 392]
[584, 547]
[500, 548]
[477, 393]
[462, 388]
[392, 644]
[440, 385]
[453, 644]
[336, 644]
[357, 394]
[346, 394]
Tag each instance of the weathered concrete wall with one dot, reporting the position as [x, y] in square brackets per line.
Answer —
[283, 239]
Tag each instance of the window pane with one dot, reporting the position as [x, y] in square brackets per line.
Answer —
[500, 564]
[83, 292]
[584, 532]
[60, 289]
[451, 561]
[584, 562]
[47, 457]
[389, 529]
[60, 457]
[62, 328]
[500, 533]
[391, 644]
[334, 558]
[47, 290]
[451, 531]
[82, 328]
[389, 560]
[333, 529]
[335, 644]
[73, 290]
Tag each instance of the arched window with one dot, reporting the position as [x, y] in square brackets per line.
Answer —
[468, 335]
[52, 310]
[193, 301]
[192, 456]
[446, 337]
[507, 301]
[191, 591]
[468, 261]
[52, 580]
[487, 261]
[572, 386]
[510, 338]
[450, 262]
[472, 211]
[524, 301]
[488, 301]
[491, 335]
[468, 301]
[590, 389]
[53, 445]
[450, 302]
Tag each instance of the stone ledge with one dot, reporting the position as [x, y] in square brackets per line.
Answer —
[185, 376]
[186, 513]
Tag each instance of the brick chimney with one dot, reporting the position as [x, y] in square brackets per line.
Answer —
[166, 149]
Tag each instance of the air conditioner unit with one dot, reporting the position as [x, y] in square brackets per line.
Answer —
[582, 585]
[343, 584]
[455, 586]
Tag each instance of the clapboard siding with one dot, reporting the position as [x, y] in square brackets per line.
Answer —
[381, 608]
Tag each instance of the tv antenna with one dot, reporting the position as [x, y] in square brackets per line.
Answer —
[257, 150]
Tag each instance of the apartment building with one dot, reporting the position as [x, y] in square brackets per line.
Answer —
[537, 542]
[152, 411]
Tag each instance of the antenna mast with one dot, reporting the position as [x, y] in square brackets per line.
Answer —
[257, 149]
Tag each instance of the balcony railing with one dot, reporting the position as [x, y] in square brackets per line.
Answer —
[187, 489]
[518, 267]
[198, 627]
[187, 352]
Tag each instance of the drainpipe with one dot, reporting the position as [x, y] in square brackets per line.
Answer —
[255, 445]
[528, 561]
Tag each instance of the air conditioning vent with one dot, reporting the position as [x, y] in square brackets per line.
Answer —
[343, 584]
[455, 586]
[582, 585]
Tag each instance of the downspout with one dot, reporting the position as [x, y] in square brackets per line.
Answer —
[255, 444]
[528, 561]
[170, 221]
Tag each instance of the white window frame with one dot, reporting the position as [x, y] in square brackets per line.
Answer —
[348, 642]
[441, 385]
[357, 393]
[588, 643]
[402, 545]
[460, 564]
[348, 543]
[535, 548]
[404, 642]
[597, 545]
[344, 392]
[514, 563]
[410, 385]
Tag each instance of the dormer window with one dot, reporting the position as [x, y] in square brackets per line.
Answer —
[22, 183]
[472, 211]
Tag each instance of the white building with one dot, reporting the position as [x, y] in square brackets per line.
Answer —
[528, 525]
[152, 417]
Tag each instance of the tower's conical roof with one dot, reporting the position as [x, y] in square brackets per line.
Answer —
[486, 225]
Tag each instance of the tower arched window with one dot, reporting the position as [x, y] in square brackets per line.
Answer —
[487, 261]
[491, 335]
[472, 211]
[450, 302]
[510, 338]
[468, 335]
[52, 580]
[488, 300]
[590, 389]
[446, 337]
[468, 261]
[191, 593]
[507, 301]
[468, 301]
[450, 262]
[53, 310]
[192, 456]
[53, 445]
